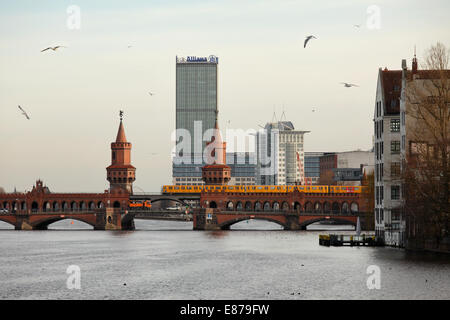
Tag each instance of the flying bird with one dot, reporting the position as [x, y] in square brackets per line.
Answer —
[24, 113]
[307, 39]
[348, 85]
[129, 47]
[53, 48]
[150, 93]
[314, 109]
[357, 25]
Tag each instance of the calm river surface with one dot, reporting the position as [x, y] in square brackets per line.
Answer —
[167, 260]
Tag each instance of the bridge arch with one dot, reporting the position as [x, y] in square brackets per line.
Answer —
[230, 205]
[317, 207]
[82, 205]
[239, 206]
[335, 208]
[285, 206]
[248, 206]
[170, 199]
[91, 205]
[354, 207]
[100, 205]
[342, 220]
[55, 206]
[116, 204]
[326, 207]
[213, 204]
[308, 207]
[46, 206]
[276, 206]
[257, 206]
[227, 224]
[73, 206]
[43, 224]
[345, 208]
[34, 206]
[64, 206]
[266, 206]
[6, 220]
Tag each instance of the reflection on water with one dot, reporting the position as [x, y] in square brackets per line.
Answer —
[167, 260]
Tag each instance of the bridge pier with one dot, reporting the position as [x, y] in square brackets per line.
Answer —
[205, 219]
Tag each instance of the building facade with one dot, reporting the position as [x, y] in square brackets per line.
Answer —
[196, 107]
[387, 157]
[280, 154]
[345, 168]
[312, 167]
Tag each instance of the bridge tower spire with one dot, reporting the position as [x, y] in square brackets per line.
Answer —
[121, 174]
[216, 172]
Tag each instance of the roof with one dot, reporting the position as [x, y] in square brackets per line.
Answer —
[121, 134]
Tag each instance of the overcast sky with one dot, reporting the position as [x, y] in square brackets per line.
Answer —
[74, 95]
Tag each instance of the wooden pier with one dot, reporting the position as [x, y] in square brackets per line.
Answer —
[338, 240]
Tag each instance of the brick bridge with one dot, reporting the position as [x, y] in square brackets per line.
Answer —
[292, 210]
[214, 219]
[37, 209]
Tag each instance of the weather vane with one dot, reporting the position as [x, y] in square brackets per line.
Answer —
[121, 115]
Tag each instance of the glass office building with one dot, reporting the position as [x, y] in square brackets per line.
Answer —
[196, 107]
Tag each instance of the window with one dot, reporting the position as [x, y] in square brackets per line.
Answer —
[395, 168]
[395, 192]
[395, 214]
[395, 125]
[395, 147]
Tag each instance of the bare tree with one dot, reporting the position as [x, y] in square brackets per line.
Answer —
[426, 169]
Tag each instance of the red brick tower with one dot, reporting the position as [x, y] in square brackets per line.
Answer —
[121, 174]
[216, 173]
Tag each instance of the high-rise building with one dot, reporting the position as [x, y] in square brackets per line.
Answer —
[196, 108]
[280, 155]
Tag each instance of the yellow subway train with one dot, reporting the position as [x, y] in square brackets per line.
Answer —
[176, 189]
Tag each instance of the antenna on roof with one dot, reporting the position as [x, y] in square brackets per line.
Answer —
[274, 115]
[283, 114]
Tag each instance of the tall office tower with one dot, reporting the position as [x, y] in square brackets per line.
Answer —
[280, 155]
[196, 107]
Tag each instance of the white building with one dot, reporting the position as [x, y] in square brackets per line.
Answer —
[387, 157]
[280, 155]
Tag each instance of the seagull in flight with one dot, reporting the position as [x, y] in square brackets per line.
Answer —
[314, 109]
[348, 85]
[24, 113]
[150, 93]
[53, 48]
[357, 25]
[307, 39]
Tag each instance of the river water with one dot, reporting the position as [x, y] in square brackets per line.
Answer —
[167, 260]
